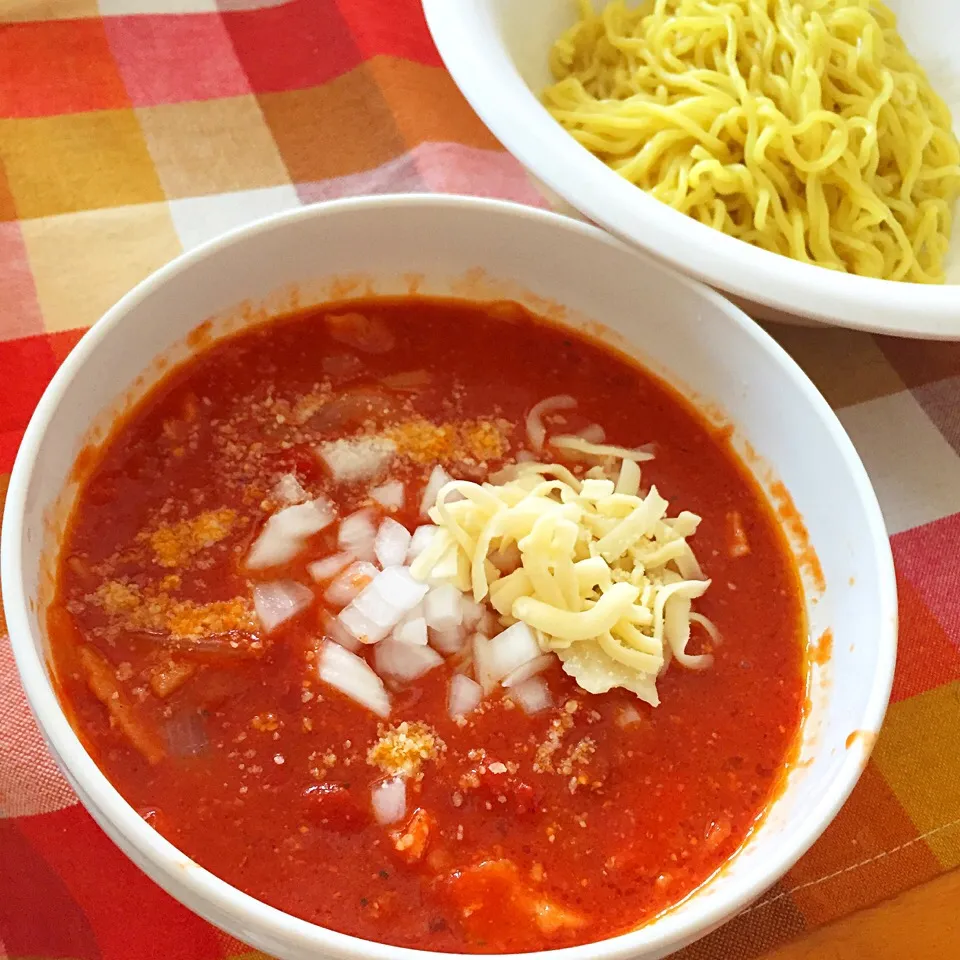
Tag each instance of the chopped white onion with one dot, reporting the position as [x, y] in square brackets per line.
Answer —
[510, 650]
[447, 641]
[391, 543]
[627, 716]
[335, 630]
[357, 576]
[390, 495]
[352, 676]
[404, 661]
[471, 611]
[361, 626]
[536, 431]
[412, 631]
[359, 458]
[420, 541]
[379, 607]
[481, 657]
[533, 695]
[442, 608]
[489, 624]
[284, 534]
[397, 586]
[527, 670]
[389, 799]
[327, 568]
[289, 490]
[438, 479]
[279, 601]
[358, 534]
[363, 332]
[465, 695]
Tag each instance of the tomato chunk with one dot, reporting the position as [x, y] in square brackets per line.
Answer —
[411, 842]
[491, 896]
[331, 805]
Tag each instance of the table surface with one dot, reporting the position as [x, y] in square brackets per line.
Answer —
[132, 130]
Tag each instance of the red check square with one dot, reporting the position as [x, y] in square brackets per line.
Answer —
[402, 34]
[26, 367]
[301, 44]
[51, 67]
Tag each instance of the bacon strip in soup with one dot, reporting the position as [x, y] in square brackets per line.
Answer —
[269, 648]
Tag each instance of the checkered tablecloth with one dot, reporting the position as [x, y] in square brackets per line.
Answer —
[131, 130]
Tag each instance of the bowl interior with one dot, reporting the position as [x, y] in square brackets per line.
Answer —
[498, 51]
[581, 277]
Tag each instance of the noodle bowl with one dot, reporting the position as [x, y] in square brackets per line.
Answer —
[808, 130]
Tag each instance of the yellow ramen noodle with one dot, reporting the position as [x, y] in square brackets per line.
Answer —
[805, 128]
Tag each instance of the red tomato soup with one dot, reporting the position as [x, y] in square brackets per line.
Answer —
[521, 824]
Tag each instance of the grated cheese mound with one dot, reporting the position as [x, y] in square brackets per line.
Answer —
[605, 577]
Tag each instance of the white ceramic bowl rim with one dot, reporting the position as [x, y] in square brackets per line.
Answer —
[502, 100]
[171, 869]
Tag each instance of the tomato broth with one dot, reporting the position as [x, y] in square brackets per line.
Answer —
[521, 831]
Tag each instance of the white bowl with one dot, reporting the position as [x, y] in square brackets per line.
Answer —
[480, 249]
[497, 50]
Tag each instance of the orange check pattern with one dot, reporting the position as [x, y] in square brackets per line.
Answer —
[131, 130]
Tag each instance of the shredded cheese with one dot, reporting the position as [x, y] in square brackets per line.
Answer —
[604, 577]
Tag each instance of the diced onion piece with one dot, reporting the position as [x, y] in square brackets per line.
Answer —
[442, 608]
[352, 676]
[284, 534]
[389, 799]
[350, 583]
[390, 495]
[392, 543]
[481, 661]
[412, 631]
[527, 670]
[327, 568]
[358, 535]
[335, 630]
[447, 641]
[533, 695]
[511, 649]
[186, 734]
[289, 490]
[628, 715]
[472, 611]
[379, 607]
[536, 431]
[438, 479]
[361, 626]
[399, 589]
[351, 459]
[370, 334]
[279, 601]
[465, 695]
[420, 541]
[404, 661]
